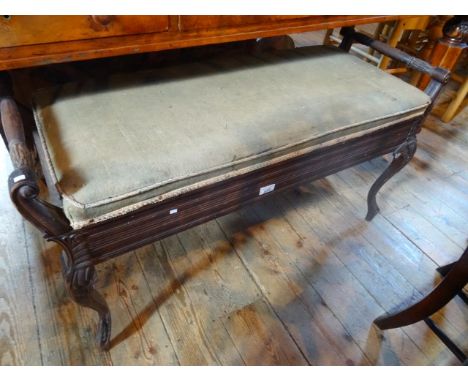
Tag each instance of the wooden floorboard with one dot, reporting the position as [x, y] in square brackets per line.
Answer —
[278, 280]
[294, 280]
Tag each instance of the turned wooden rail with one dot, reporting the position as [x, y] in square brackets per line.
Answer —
[435, 72]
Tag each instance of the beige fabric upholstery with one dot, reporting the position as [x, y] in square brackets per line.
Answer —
[115, 146]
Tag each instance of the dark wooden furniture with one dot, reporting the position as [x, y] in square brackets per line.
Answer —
[455, 279]
[85, 247]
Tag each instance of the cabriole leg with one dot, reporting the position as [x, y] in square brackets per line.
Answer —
[401, 156]
[80, 282]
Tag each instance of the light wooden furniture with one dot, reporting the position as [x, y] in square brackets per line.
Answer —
[406, 33]
[447, 57]
[460, 96]
[448, 49]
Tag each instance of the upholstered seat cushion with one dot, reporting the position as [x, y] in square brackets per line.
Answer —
[129, 141]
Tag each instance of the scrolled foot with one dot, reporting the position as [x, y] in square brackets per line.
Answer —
[104, 331]
[401, 156]
[372, 209]
[80, 282]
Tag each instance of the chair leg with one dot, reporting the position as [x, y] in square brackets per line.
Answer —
[392, 41]
[456, 102]
[80, 282]
[447, 289]
[401, 156]
[446, 340]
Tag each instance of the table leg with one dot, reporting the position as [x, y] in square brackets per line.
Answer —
[455, 103]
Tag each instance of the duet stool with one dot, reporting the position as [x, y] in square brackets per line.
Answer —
[135, 158]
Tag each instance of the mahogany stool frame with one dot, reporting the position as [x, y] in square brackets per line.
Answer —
[96, 243]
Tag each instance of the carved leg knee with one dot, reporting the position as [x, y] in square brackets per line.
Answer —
[401, 156]
[80, 282]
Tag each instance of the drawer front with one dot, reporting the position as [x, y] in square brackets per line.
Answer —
[195, 23]
[29, 30]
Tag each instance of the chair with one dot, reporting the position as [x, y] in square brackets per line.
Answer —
[455, 278]
[457, 102]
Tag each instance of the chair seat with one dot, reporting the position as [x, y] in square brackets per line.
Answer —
[125, 142]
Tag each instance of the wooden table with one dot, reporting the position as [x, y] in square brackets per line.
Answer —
[27, 41]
